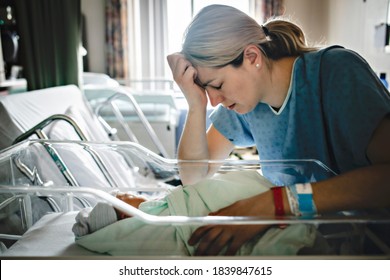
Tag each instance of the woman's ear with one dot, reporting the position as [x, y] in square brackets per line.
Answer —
[252, 56]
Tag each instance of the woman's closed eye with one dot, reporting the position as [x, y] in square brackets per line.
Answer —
[216, 87]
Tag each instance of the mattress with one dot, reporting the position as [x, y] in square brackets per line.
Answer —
[51, 236]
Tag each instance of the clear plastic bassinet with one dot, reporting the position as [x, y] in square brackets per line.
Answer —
[42, 176]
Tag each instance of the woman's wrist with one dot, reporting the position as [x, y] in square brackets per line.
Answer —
[280, 200]
[197, 110]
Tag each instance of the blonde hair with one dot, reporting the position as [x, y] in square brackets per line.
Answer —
[218, 35]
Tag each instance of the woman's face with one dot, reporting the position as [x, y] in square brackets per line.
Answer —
[235, 88]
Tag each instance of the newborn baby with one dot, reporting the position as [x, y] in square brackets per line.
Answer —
[106, 230]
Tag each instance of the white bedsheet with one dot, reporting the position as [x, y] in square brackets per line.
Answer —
[51, 236]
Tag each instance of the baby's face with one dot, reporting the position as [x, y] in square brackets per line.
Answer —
[133, 200]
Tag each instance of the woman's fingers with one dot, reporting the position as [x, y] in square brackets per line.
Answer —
[178, 64]
[185, 75]
[183, 72]
[173, 59]
[212, 239]
[207, 242]
[216, 247]
[197, 235]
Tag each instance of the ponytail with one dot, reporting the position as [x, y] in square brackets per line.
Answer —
[285, 39]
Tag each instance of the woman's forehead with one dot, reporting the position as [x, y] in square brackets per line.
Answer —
[206, 75]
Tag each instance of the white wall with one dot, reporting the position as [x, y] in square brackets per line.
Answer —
[311, 16]
[350, 23]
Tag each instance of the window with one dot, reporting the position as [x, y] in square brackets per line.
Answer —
[156, 30]
[178, 21]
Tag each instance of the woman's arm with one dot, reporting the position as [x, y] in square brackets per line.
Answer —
[367, 187]
[363, 188]
[195, 144]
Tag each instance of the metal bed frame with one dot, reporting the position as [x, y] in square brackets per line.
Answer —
[38, 130]
[120, 118]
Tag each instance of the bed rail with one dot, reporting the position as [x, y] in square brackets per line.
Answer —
[119, 116]
[181, 220]
[38, 130]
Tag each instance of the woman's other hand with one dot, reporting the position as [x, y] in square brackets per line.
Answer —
[212, 239]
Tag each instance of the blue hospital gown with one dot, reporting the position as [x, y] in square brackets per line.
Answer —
[334, 104]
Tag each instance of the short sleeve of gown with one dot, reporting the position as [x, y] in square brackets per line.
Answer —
[355, 101]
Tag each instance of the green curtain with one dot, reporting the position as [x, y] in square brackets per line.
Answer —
[50, 39]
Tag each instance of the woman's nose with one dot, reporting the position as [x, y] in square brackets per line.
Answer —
[215, 97]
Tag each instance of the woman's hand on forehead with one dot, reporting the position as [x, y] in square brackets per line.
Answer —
[177, 59]
[186, 77]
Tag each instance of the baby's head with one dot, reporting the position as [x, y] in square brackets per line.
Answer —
[130, 199]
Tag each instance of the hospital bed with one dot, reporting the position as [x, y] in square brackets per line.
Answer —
[39, 201]
[134, 115]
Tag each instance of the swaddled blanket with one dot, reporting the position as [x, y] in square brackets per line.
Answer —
[134, 237]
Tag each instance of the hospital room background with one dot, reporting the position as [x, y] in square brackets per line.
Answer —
[86, 93]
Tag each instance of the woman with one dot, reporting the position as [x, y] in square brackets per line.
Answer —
[291, 101]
